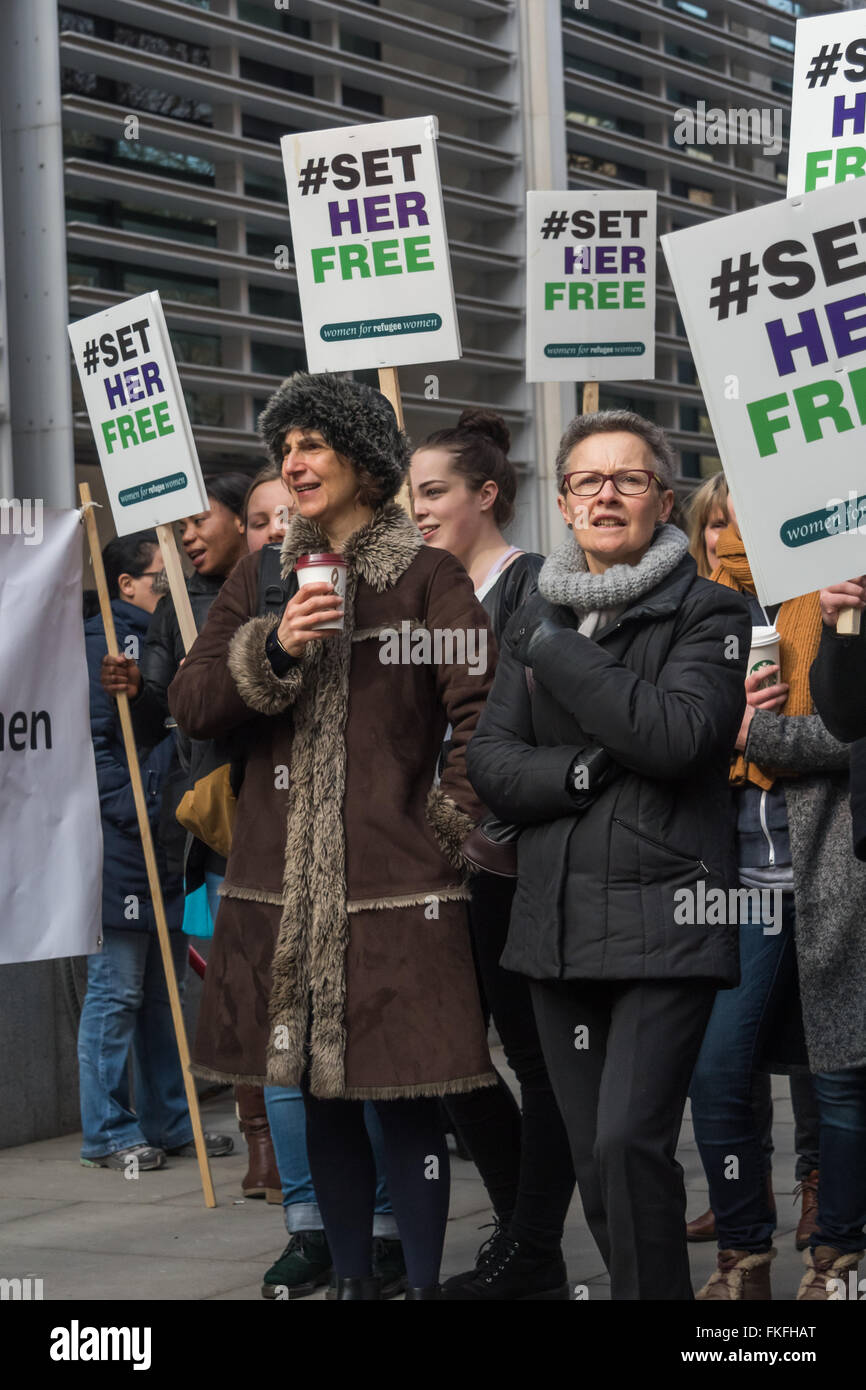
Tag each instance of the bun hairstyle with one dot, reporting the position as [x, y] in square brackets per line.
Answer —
[478, 446]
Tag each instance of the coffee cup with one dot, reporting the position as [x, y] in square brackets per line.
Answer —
[764, 652]
[324, 567]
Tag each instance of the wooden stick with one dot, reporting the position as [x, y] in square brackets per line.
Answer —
[590, 398]
[848, 623]
[389, 385]
[147, 846]
[177, 584]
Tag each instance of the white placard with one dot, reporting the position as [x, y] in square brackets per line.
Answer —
[774, 306]
[590, 286]
[138, 415]
[828, 110]
[50, 828]
[371, 250]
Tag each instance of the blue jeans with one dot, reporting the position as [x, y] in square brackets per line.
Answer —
[288, 1125]
[127, 1006]
[726, 1131]
[842, 1188]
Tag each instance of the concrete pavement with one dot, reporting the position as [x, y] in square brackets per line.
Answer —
[91, 1234]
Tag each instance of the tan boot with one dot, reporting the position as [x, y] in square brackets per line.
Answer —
[739, 1276]
[807, 1190]
[824, 1264]
[703, 1227]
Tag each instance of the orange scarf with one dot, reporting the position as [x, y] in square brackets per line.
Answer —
[798, 624]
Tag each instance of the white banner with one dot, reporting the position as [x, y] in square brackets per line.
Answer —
[371, 249]
[774, 306]
[138, 414]
[590, 286]
[50, 828]
[828, 103]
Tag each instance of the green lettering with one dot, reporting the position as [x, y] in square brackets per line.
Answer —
[633, 294]
[812, 409]
[553, 293]
[579, 295]
[417, 250]
[765, 429]
[386, 257]
[126, 430]
[814, 170]
[109, 434]
[354, 258]
[161, 420]
[608, 294]
[146, 432]
[323, 260]
[850, 163]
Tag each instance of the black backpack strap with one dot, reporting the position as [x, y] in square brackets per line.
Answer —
[274, 591]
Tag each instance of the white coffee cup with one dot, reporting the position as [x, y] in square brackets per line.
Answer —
[764, 652]
[324, 567]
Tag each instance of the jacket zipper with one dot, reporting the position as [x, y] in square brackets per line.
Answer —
[765, 828]
[689, 858]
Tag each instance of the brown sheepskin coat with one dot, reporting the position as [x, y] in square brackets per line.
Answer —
[343, 924]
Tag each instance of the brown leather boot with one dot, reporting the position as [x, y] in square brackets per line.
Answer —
[263, 1178]
[703, 1227]
[824, 1265]
[739, 1276]
[807, 1190]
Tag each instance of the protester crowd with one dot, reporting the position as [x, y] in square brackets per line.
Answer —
[609, 839]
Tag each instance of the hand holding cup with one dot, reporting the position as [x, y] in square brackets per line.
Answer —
[304, 616]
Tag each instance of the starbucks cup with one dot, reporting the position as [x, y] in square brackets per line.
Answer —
[324, 568]
[764, 652]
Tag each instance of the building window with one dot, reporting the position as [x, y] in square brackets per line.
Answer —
[579, 164]
[254, 71]
[361, 100]
[695, 11]
[271, 18]
[622, 79]
[604, 120]
[275, 359]
[704, 197]
[274, 304]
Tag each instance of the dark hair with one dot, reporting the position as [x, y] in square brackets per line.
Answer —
[229, 488]
[616, 422]
[270, 473]
[128, 555]
[478, 446]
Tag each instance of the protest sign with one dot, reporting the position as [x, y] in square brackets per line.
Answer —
[138, 415]
[590, 285]
[50, 829]
[370, 246]
[774, 306]
[828, 103]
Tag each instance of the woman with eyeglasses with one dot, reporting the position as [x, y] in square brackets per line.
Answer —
[607, 737]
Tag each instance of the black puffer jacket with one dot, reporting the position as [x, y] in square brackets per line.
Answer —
[661, 692]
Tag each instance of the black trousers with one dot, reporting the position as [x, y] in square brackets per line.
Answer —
[523, 1158]
[620, 1056]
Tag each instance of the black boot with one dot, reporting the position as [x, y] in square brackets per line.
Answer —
[431, 1291]
[520, 1272]
[488, 1253]
[355, 1290]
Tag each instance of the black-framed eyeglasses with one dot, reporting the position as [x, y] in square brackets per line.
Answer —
[629, 482]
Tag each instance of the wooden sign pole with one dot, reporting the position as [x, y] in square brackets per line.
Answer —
[177, 584]
[848, 623]
[590, 398]
[389, 385]
[147, 838]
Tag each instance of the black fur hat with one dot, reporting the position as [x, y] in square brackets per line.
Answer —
[355, 420]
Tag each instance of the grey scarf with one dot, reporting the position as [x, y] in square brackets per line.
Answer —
[565, 576]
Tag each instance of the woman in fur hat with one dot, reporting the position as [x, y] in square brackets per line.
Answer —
[341, 957]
